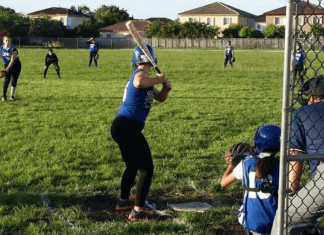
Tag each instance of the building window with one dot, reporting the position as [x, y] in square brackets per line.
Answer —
[69, 22]
[227, 20]
[280, 20]
[317, 20]
[211, 20]
[194, 19]
[301, 20]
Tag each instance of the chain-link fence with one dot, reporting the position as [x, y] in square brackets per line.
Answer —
[301, 202]
[166, 43]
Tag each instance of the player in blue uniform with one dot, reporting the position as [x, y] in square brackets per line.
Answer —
[307, 137]
[259, 172]
[127, 128]
[94, 51]
[228, 54]
[298, 63]
[9, 55]
[51, 58]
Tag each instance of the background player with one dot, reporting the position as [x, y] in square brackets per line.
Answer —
[298, 65]
[9, 55]
[259, 173]
[51, 58]
[228, 54]
[94, 51]
[127, 128]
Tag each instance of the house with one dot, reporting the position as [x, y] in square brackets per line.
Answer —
[120, 30]
[260, 23]
[68, 17]
[218, 14]
[309, 14]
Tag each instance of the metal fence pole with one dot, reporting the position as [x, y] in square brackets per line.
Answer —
[284, 119]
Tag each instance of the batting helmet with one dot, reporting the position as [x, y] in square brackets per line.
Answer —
[267, 138]
[140, 58]
[314, 86]
[233, 59]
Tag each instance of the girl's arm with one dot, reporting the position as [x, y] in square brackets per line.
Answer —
[12, 61]
[163, 94]
[228, 177]
[142, 80]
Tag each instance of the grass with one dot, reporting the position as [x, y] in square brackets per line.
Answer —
[56, 139]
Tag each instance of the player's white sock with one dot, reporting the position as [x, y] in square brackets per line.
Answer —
[13, 89]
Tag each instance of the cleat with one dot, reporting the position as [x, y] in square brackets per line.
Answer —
[124, 205]
[4, 98]
[12, 98]
[141, 215]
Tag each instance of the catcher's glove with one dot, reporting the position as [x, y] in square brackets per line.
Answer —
[235, 153]
[3, 73]
[233, 59]
[97, 57]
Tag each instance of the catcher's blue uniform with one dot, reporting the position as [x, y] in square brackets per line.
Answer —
[259, 208]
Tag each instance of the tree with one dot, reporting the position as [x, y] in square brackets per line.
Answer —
[317, 30]
[155, 29]
[245, 32]
[109, 15]
[45, 27]
[13, 23]
[272, 31]
[88, 28]
[232, 31]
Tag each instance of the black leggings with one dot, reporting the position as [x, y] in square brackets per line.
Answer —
[93, 55]
[228, 58]
[137, 156]
[57, 67]
[14, 72]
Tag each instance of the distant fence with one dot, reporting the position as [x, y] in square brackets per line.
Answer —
[117, 43]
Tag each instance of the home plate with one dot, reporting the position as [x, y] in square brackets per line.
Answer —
[191, 206]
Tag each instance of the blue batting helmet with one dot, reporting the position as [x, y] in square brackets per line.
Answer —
[267, 137]
[140, 58]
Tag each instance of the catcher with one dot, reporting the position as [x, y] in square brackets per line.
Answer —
[9, 55]
[94, 51]
[51, 58]
[259, 172]
[298, 63]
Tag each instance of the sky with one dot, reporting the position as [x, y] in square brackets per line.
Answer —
[147, 9]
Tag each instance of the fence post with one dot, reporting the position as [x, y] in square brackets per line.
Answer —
[77, 43]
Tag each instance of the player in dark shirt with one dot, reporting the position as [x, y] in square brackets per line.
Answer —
[51, 58]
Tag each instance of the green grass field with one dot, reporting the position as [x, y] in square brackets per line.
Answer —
[56, 139]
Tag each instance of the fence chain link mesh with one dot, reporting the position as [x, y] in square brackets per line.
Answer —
[305, 199]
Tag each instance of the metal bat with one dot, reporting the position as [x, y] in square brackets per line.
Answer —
[137, 37]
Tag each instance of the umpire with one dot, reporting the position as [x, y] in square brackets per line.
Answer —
[51, 58]
[307, 137]
[94, 51]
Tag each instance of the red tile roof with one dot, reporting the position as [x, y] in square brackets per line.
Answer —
[57, 11]
[304, 8]
[218, 8]
[121, 27]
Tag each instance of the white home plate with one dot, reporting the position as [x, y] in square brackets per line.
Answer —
[191, 206]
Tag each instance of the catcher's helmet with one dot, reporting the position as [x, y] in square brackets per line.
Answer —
[267, 138]
[140, 58]
[233, 59]
[314, 86]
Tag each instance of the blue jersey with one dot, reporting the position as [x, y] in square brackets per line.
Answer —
[299, 57]
[6, 54]
[229, 50]
[136, 102]
[307, 132]
[259, 209]
[94, 47]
